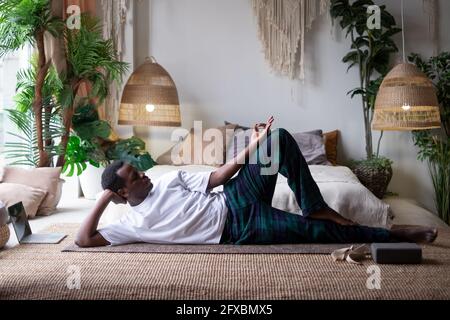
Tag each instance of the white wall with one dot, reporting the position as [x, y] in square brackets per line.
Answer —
[212, 50]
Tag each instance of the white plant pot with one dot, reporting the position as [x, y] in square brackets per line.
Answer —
[91, 181]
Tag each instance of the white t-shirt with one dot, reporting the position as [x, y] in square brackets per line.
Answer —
[179, 209]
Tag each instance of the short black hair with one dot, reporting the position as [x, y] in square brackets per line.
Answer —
[110, 179]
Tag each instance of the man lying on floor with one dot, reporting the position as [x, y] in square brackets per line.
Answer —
[180, 209]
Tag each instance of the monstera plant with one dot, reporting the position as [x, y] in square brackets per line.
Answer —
[93, 141]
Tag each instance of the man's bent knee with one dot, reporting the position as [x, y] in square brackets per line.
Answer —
[282, 132]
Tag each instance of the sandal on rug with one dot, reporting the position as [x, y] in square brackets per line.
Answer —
[351, 254]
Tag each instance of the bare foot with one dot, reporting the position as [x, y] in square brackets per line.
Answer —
[330, 214]
[416, 234]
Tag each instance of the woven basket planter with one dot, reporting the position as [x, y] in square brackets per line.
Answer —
[376, 179]
[4, 235]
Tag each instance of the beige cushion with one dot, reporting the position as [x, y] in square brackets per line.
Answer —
[331, 141]
[206, 150]
[12, 193]
[410, 212]
[166, 157]
[46, 179]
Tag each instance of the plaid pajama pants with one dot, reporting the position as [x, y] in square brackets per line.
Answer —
[252, 219]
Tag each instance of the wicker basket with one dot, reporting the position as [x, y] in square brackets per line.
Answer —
[4, 235]
[376, 179]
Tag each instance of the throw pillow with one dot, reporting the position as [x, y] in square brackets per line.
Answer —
[310, 143]
[331, 141]
[12, 193]
[46, 179]
[166, 157]
[312, 146]
[208, 149]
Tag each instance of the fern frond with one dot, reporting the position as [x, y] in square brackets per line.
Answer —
[92, 58]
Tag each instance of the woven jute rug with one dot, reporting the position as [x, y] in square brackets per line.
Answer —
[212, 249]
[45, 272]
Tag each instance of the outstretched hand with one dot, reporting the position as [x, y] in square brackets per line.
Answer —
[260, 130]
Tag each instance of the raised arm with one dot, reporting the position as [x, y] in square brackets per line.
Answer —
[227, 171]
[88, 236]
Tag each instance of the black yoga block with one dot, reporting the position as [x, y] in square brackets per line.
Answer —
[396, 253]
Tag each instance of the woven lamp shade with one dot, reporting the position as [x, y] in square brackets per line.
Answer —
[150, 86]
[406, 101]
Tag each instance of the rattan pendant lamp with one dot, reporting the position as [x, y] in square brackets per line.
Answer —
[150, 98]
[406, 99]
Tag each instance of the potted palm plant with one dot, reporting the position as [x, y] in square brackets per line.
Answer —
[25, 22]
[91, 62]
[434, 146]
[371, 49]
[49, 105]
[89, 143]
[24, 150]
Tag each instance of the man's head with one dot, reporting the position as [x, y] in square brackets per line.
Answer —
[126, 181]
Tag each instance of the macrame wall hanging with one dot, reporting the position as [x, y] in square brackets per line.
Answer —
[282, 26]
[113, 20]
[432, 10]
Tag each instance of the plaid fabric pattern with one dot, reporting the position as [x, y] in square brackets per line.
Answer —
[251, 218]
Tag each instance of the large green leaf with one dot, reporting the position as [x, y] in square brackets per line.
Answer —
[352, 56]
[142, 162]
[91, 130]
[85, 114]
[75, 155]
[133, 152]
